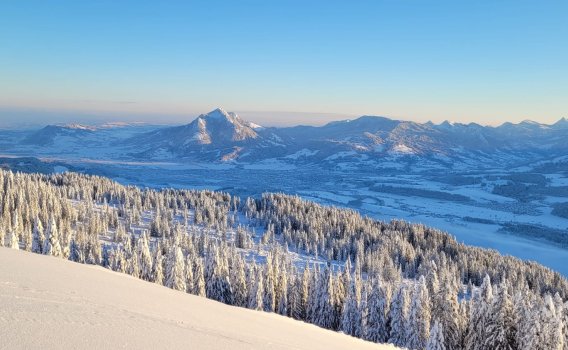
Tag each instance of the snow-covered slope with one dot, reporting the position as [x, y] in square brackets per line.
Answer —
[51, 303]
[210, 136]
[221, 136]
[362, 143]
[48, 135]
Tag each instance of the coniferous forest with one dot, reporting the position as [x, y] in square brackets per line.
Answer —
[400, 283]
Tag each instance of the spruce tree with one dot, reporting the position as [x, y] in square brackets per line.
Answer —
[351, 322]
[269, 300]
[377, 322]
[305, 294]
[217, 283]
[144, 257]
[14, 234]
[501, 332]
[199, 276]
[552, 332]
[37, 236]
[418, 324]
[446, 311]
[51, 245]
[13, 241]
[399, 311]
[294, 297]
[175, 270]
[436, 339]
[479, 316]
[324, 311]
[283, 292]
[158, 267]
[239, 283]
[189, 279]
[256, 295]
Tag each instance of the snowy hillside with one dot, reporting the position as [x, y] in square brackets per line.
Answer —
[52, 133]
[405, 284]
[51, 303]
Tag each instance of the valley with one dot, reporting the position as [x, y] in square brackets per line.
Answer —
[509, 207]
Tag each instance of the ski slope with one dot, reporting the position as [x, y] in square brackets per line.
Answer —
[51, 303]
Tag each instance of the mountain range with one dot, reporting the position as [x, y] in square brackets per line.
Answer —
[224, 137]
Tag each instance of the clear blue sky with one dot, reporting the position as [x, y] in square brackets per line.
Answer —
[484, 61]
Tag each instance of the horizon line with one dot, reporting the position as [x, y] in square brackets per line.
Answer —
[109, 117]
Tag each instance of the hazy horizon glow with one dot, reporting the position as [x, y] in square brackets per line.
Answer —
[486, 62]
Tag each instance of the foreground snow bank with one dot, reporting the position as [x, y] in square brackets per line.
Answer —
[51, 303]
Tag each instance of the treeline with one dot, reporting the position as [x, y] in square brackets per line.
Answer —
[560, 210]
[395, 248]
[409, 285]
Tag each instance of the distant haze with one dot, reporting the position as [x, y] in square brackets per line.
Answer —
[16, 117]
[34, 118]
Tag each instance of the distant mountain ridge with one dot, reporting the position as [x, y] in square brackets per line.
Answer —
[220, 136]
[46, 136]
[224, 137]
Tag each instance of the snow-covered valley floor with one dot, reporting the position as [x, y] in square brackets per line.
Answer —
[52, 303]
[463, 204]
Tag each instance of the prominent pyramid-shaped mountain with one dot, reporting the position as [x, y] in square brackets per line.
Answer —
[220, 127]
[214, 131]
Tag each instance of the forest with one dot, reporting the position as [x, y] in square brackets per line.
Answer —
[386, 282]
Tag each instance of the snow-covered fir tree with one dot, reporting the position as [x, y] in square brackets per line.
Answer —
[377, 328]
[51, 245]
[12, 240]
[399, 312]
[418, 324]
[352, 320]
[37, 236]
[436, 339]
[256, 300]
[158, 267]
[199, 276]
[144, 257]
[501, 329]
[479, 316]
[175, 269]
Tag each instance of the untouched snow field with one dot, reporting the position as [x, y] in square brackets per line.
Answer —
[52, 303]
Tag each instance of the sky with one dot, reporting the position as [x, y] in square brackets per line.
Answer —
[283, 62]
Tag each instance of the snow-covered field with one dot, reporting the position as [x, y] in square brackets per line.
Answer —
[51, 303]
[412, 197]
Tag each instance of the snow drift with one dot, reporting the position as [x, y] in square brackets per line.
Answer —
[52, 303]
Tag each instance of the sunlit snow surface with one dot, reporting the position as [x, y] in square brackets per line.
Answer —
[386, 188]
[51, 303]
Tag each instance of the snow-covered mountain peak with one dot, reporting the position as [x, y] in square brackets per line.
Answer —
[226, 125]
[220, 114]
[447, 124]
[211, 132]
[532, 124]
[255, 126]
[561, 123]
[76, 126]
